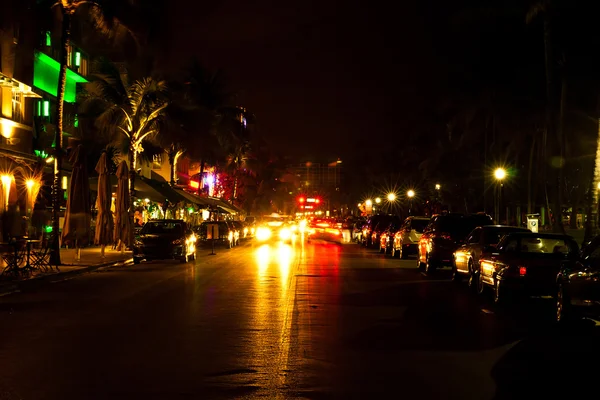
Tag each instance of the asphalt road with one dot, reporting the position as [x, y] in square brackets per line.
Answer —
[316, 321]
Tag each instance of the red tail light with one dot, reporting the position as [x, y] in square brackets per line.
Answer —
[522, 271]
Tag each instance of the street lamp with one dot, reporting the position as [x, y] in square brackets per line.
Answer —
[377, 200]
[391, 197]
[410, 194]
[500, 175]
[438, 186]
[368, 203]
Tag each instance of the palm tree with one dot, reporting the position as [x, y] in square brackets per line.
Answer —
[135, 111]
[67, 10]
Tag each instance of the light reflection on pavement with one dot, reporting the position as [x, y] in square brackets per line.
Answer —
[314, 320]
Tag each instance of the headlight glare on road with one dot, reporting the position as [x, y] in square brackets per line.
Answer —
[263, 233]
[285, 234]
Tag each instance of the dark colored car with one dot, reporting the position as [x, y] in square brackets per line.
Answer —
[386, 241]
[379, 225]
[444, 234]
[527, 264]
[165, 239]
[578, 290]
[481, 240]
[224, 234]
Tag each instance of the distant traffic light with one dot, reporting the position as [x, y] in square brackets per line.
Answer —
[301, 199]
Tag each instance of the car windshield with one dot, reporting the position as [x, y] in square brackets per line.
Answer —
[162, 227]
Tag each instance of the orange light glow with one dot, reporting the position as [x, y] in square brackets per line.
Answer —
[194, 184]
[301, 199]
[317, 201]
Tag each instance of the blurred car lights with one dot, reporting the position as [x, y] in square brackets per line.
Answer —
[263, 233]
[285, 234]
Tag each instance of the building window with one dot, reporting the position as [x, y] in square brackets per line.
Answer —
[77, 59]
[157, 161]
[82, 68]
[43, 108]
[76, 121]
[70, 56]
[17, 106]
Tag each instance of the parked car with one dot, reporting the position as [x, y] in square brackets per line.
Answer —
[443, 235]
[165, 239]
[526, 264]
[381, 226]
[386, 241]
[223, 234]
[406, 240]
[481, 240]
[578, 285]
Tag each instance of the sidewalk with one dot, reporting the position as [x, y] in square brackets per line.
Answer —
[90, 260]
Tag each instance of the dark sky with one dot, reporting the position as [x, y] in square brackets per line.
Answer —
[323, 78]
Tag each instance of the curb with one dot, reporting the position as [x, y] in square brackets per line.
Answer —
[34, 283]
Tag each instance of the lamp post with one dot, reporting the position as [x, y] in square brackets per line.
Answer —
[410, 194]
[369, 206]
[500, 175]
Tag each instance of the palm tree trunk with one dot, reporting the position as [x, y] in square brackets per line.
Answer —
[202, 166]
[559, 227]
[132, 173]
[171, 155]
[58, 137]
[530, 176]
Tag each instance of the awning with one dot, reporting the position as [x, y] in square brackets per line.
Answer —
[156, 191]
[200, 201]
[224, 206]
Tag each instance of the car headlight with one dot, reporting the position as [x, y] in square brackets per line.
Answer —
[263, 233]
[285, 234]
[245, 231]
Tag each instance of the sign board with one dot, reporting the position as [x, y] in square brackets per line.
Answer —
[212, 231]
[533, 222]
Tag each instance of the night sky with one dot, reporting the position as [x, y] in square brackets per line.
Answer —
[323, 78]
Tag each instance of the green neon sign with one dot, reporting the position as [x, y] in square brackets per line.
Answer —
[45, 77]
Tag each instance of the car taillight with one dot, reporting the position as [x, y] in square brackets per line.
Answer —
[522, 271]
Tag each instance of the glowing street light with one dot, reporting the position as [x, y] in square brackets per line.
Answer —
[391, 196]
[368, 203]
[377, 200]
[500, 173]
[410, 194]
[359, 205]
[438, 186]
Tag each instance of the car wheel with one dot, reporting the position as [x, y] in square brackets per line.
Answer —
[403, 254]
[480, 284]
[501, 294]
[563, 306]
[473, 277]
[137, 260]
[456, 276]
[381, 249]
[419, 263]
[430, 266]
